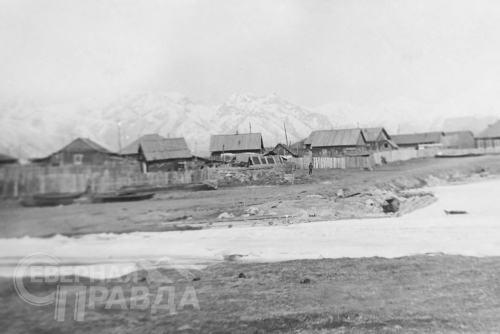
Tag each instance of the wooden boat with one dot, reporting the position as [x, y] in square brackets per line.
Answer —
[466, 155]
[205, 185]
[32, 202]
[56, 197]
[113, 197]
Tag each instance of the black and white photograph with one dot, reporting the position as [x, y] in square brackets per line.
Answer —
[249, 166]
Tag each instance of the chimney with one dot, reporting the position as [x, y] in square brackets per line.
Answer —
[236, 132]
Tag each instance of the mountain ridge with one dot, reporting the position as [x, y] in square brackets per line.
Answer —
[30, 131]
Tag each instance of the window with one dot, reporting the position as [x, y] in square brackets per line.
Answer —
[496, 143]
[77, 159]
[386, 145]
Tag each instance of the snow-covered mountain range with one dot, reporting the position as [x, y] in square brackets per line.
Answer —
[28, 131]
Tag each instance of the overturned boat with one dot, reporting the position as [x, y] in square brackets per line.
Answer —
[127, 197]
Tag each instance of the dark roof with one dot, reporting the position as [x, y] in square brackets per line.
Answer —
[393, 144]
[493, 131]
[298, 144]
[163, 149]
[84, 144]
[5, 159]
[240, 142]
[371, 134]
[342, 137]
[133, 147]
[418, 138]
[287, 148]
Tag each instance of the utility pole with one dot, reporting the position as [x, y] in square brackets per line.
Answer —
[119, 136]
[286, 137]
[250, 127]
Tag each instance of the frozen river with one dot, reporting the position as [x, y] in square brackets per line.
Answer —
[428, 230]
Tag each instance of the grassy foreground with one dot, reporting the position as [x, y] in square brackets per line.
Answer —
[440, 293]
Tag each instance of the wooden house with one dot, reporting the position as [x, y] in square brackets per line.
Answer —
[7, 160]
[168, 154]
[377, 139]
[459, 140]
[329, 143]
[489, 137]
[235, 144]
[132, 149]
[81, 151]
[419, 140]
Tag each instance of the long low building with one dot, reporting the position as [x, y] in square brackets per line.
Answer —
[419, 140]
[165, 155]
[235, 144]
[329, 143]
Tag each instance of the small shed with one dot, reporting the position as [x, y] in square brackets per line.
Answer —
[329, 143]
[299, 147]
[419, 140]
[236, 144]
[284, 150]
[81, 151]
[489, 137]
[377, 139]
[169, 154]
[459, 140]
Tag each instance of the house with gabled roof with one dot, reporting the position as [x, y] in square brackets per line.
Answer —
[489, 137]
[329, 143]
[284, 150]
[377, 139]
[7, 160]
[419, 140]
[81, 151]
[236, 144]
[132, 149]
[165, 154]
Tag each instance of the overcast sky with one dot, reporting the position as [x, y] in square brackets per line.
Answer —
[310, 52]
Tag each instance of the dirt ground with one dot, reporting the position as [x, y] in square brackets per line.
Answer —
[418, 294]
[314, 198]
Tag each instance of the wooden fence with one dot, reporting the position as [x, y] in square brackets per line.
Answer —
[351, 162]
[16, 181]
[376, 158]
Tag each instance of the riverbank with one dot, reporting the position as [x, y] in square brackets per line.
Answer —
[316, 200]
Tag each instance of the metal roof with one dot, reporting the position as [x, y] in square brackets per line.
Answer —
[133, 147]
[239, 142]
[342, 137]
[493, 131]
[418, 138]
[163, 149]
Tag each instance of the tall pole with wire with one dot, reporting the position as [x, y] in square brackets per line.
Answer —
[119, 136]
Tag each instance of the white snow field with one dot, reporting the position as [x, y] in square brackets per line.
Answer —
[428, 230]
